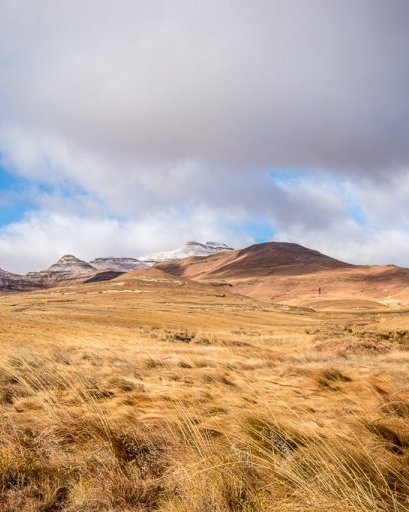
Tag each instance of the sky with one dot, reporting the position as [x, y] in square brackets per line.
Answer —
[131, 126]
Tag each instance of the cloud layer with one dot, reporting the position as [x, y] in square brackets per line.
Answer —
[157, 121]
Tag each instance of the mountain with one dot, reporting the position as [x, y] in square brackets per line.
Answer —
[117, 264]
[275, 272]
[293, 274]
[68, 269]
[71, 270]
[187, 250]
[273, 258]
[13, 282]
[70, 264]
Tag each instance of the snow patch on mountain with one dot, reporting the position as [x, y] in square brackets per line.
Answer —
[117, 264]
[71, 264]
[66, 270]
[187, 250]
[71, 270]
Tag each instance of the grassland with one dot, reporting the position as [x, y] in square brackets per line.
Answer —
[152, 393]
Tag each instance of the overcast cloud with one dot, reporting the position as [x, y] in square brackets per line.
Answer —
[139, 124]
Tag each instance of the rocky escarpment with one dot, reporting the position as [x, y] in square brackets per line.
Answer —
[117, 264]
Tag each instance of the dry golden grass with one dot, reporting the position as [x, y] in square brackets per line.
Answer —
[150, 393]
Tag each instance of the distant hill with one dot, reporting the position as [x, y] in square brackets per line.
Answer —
[275, 272]
[292, 274]
[272, 258]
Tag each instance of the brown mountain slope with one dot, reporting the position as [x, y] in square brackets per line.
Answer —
[292, 274]
[155, 393]
[273, 258]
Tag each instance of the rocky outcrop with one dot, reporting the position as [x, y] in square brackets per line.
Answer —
[117, 264]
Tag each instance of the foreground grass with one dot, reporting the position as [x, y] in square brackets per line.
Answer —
[103, 408]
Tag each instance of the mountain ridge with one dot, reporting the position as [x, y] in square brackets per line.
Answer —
[264, 258]
[274, 272]
[69, 269]
[283, 272]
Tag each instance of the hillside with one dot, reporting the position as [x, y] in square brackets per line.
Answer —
[72, 270]
[292, 274]
[272, 258]
[151, 392]
[274, 272]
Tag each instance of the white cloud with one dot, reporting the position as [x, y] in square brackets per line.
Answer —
[38, 241]
[349, 242]
[171, 115]
[227, 84]
[314, 213]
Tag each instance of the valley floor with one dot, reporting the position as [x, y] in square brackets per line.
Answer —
[144, 394]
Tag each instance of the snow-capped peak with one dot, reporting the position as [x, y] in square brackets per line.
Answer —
[188, 249]
[70, 263]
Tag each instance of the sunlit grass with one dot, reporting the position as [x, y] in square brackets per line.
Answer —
[106, 406]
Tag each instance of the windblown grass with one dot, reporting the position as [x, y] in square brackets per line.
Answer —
[106, 405]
